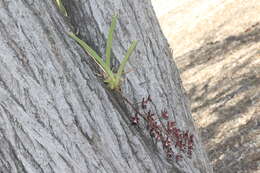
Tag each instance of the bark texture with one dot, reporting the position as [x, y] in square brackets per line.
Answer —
[57, 116]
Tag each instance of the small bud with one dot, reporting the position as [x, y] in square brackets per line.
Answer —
[190, 147]
[190, 141]
[186, 134]
[169, 153]
[167, 142]
[179, 144]
[190, 154]
[178, 157]
[143, 105]
[152, 133]
[150, 116]
[149, 99]
[135, 119]
[165, 115]
[170, 126]
[158, 136]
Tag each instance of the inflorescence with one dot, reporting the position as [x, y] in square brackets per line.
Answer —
[163, 130]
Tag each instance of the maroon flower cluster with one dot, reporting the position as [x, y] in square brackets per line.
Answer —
[163, 130]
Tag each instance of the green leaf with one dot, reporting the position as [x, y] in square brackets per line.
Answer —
[93, 54]
[109, 40]
[123, 63]
[61, 7]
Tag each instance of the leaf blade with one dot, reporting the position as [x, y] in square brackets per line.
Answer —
[61, 7]
[92, 53]
[123, 63]
[110, 40]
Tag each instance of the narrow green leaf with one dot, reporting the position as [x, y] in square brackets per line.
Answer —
[93, 54]
[123, 63]
[109, 40]
[61, 7]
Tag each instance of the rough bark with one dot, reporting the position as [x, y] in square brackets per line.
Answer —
[56, 115]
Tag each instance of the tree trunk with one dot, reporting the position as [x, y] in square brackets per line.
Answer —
[56, 115]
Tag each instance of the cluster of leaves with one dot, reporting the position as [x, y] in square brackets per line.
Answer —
[112, 79]
[163, 130]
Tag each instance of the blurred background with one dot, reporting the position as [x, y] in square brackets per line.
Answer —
[216, 45]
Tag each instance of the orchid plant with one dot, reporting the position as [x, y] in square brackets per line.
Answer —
[113, 80]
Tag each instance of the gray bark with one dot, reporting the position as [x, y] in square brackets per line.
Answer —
[57, 116]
